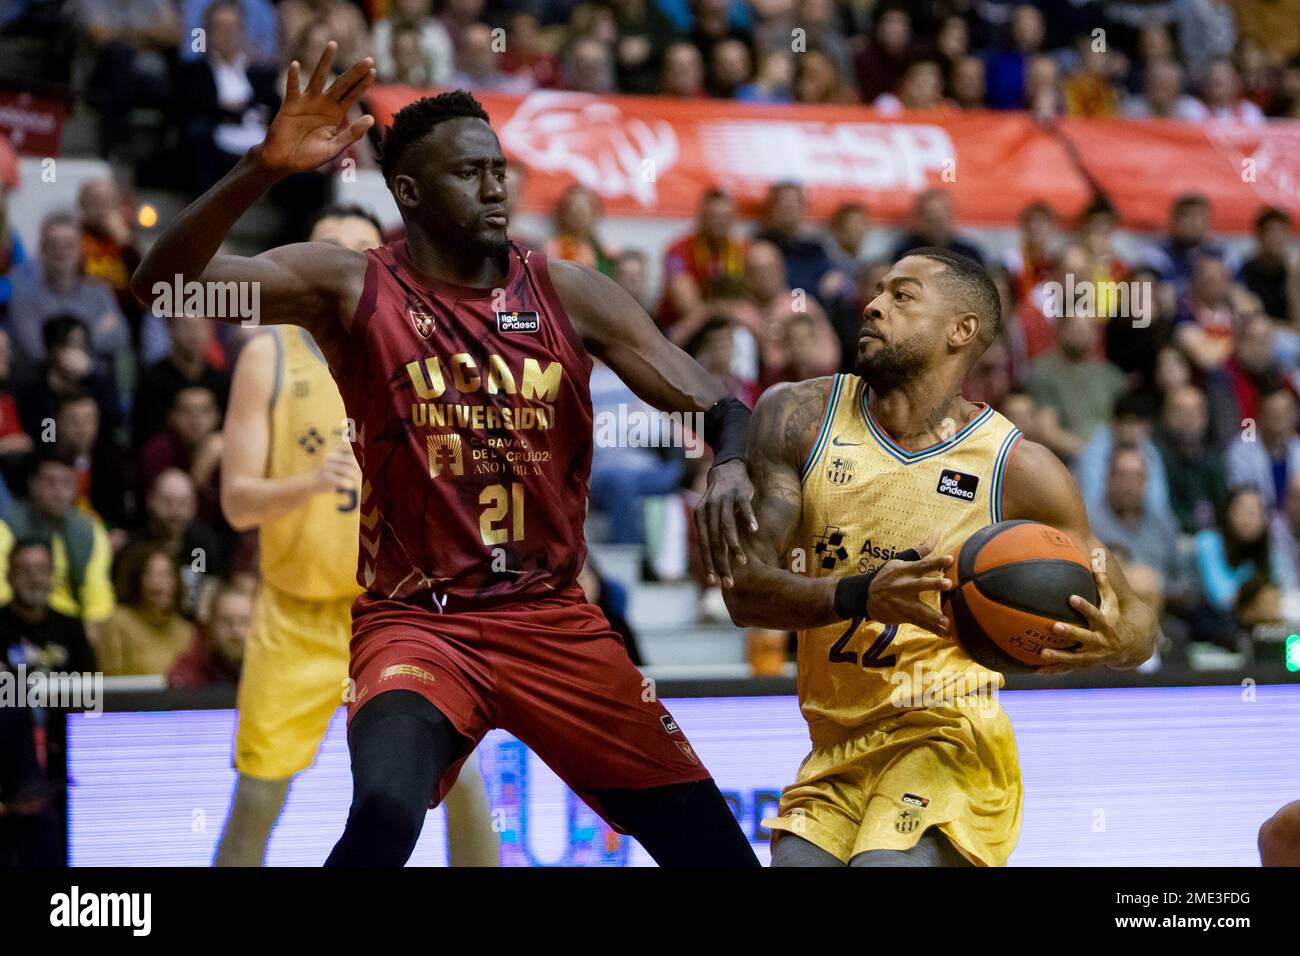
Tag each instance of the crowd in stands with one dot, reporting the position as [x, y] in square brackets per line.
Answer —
[110, 415]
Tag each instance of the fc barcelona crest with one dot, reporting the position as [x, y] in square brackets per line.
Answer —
[421, 317]
[840, 471]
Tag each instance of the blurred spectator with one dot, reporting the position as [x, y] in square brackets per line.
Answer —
[192, 443]
[36, 637]
[109, 253]
[528, 53]
[70, 370]
[1266, 455]
[101, 479]
[968, 84]
[880, 57]
[425, 47]
[1125, 521]
[60, 287]
[260, 30]
[1035, 258]
[1233, 389]
[186, 363]
[13, 439]
[846, 232]
[805, 257]
[13, 257]
[990, 379]
[933, 225]
[1128, 429]
[629, 272]
[1021, 410]
[1223, 98]
[696, 259]
[818, 80]
[921, 88]
[343, 21]
[1273, 273]
[1074, 390]
[683, 72]
[1271, 26]
[1089, 91]
[1188, 239]
[171, 520]
[778, 306]
[588, 67]
[612, 598]
[713, 345]
[134, 44]
[730, 68]
[1198, 484]
[1284, 547]
[1204, 322]
[31, 831]
[1044, 96]
[478, 65]
[1008, 70]
[1206, 35]
[228, 99]
[217, 654]
[1234, 554]
[1162, 95]
[772, 80]
[644, 34]
[147, 633]
[712, 24]
[78, 543]
[577, 218]
[516, 182]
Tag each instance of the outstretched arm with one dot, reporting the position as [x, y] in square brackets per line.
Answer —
[1122, 630]
[767, 592]
[310, 284]
[618, 331]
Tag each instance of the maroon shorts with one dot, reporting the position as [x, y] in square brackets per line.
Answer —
[550, 672]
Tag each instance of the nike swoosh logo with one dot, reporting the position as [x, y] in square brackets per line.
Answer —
[842, 444]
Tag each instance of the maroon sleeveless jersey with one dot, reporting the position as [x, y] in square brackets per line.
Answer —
[473, 430]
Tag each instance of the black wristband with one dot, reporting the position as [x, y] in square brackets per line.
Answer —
[851, 591]
[726, 425]
[851, 595]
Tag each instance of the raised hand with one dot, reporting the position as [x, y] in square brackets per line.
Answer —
[312, 125]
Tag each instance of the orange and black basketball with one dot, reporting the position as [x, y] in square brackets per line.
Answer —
[1011, 583]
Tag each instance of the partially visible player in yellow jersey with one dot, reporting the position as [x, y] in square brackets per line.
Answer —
[913, 762]
[288, 470]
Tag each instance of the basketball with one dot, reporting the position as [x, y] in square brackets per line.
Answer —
[1012, 582]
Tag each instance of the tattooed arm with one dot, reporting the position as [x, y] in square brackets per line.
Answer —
[781, 433]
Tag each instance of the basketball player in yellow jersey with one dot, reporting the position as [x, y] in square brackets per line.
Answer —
[289, 471]
[913, 761]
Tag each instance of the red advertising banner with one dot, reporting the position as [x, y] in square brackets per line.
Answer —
[651, 156]
[32, 124]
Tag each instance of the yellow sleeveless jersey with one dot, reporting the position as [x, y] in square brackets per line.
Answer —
[864, 500]
[310, 552]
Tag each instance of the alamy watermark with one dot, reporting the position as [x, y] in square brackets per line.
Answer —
[1128, 300]
[632, 427]
[72, 690]
[232, 300]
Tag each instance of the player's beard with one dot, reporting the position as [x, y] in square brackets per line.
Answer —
[892, 366]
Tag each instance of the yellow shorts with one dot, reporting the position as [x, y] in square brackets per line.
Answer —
[956, 769]
[294, 678]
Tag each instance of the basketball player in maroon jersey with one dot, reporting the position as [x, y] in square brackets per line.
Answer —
[463, 364]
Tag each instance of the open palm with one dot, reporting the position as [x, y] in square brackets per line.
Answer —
[312, 126]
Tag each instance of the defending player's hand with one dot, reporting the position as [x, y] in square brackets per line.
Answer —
[312, 126]
[895, 596]
[1102, 642]
[729, 490]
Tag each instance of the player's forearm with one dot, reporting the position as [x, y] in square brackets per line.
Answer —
[251, 502]
[767, 596]
[187, 246]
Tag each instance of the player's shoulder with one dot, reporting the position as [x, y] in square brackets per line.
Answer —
[787, 416]
[1036, 484]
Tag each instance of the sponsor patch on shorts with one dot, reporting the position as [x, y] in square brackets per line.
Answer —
[916, 801]
[670, 725]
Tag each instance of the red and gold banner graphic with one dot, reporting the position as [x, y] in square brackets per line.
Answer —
[650, 156]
